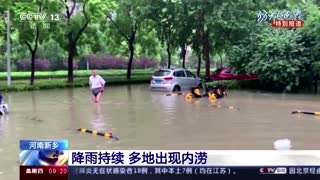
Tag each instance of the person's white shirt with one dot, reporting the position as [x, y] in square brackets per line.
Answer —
[96, 82]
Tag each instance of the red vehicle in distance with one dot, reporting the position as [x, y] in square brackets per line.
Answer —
[226, 74]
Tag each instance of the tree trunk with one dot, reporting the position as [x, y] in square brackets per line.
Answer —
[71, 53]
[131, 49]
[33, 52]
[199, 63]
[220, 60]
[183, 55]
[204, 36]
[169, 55]
[206, 53]
[33, 58]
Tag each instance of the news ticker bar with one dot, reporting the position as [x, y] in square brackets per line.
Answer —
[170, 172]
[192, 158]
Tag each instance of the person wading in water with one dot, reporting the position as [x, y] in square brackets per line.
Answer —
[96, 83]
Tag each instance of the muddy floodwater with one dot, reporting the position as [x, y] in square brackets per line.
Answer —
[150, 120]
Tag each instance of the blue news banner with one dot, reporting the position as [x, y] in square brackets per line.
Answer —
[142, 165]
[43, 159]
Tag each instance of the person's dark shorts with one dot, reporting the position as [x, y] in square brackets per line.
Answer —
[96, 91]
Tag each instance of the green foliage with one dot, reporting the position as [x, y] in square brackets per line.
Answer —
[280, 57]
[274, 55]
[77, 73]
[54, 53]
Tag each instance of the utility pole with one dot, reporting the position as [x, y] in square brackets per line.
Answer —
[87, 65]
[8, 48]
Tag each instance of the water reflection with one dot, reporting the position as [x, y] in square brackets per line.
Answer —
[98, 118]
[34, 103]
[4, 121]
[167, 106]
[74, 119]
[131, 106]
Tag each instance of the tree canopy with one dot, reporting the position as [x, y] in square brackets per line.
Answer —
[217, 32]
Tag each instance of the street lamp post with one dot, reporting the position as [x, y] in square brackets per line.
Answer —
[8, 48]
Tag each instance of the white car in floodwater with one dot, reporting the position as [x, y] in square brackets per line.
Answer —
[177, 79]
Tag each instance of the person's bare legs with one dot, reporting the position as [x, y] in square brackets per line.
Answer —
[97, 98]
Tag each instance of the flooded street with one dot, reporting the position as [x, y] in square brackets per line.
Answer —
[149, 120]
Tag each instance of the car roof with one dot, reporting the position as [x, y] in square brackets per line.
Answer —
[172, 69]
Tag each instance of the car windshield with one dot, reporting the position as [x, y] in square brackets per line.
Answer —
[161, 73]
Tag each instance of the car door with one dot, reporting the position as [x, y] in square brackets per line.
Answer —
[192, 80]
[180, 78]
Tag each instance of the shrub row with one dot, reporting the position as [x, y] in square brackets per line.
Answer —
[40, 65]
[77, 74]
[115, 62]
[95, 62]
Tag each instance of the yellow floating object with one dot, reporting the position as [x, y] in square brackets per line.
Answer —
[107, 135]
[197, 92]
[189, 96]
[212, 97]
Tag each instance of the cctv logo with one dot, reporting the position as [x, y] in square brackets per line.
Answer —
[33, 16]
[278, 170]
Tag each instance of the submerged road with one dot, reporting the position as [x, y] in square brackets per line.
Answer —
[150, 120]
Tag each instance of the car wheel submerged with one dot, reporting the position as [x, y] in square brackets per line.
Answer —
[176, 88]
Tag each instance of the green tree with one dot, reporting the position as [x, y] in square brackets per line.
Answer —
[282, 58]
[164, 15]
[94, 39]
[31, 33]
[274, 55]
[75, 26]
[52, 51]
[185, 28]
[310, 39]
[196, 46]
[127, 19]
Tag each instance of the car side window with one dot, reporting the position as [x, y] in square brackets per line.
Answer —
[179, 74]
[190, 74]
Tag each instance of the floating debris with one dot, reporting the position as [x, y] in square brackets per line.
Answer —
[282, 144]
[305, 112]
[93, 132]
